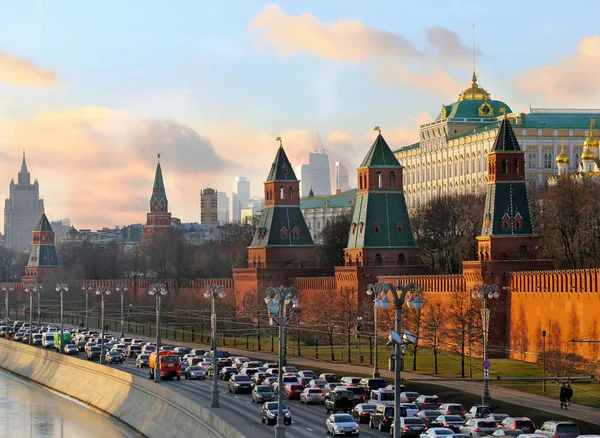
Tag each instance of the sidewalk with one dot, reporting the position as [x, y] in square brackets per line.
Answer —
[546, 404]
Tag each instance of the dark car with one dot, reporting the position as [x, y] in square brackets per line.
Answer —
[371, 383]
[305, 381]
[454, 422]
[113, 357]
[382, 418]
[428, 415]
[362, 412]
[269, 413]
[227, 372]
[411, 426]
[428, 402]
[240, 383]
[262, 393]
[340, 399]
[522, 423]
[93, 352]
[360, 395]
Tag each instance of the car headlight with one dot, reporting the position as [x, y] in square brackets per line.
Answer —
[288, 415]
[270, 414]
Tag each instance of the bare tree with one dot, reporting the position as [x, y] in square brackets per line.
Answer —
[326, 311]
[435, 318]
[413, 320]
[461, 313]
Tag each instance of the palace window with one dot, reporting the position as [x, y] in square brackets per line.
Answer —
[547, 160]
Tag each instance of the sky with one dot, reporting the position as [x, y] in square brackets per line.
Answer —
[92, 91]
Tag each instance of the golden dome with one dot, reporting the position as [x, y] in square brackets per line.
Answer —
[591, 142]
[562, 158]
[474, 92]
[587, 154]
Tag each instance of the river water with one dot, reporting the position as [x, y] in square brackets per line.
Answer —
[28, 410]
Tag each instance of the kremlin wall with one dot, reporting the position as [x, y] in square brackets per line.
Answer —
[533, 296]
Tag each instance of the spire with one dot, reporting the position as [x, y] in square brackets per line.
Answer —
[158, 190]
[311, 194]
[380, 154]
[24, 177]
[281, 169]
[506, 139]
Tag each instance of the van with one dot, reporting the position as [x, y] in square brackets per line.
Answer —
[383, 396]
[370, 383]
[48, 340]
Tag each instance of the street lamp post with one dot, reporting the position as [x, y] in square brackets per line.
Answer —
[86, 289]
[359, 321]
[278, 300]
[6, 288]
[377, 303]
[30, 291]
[213, 291]
[102, 291]
[157, 290]
[61, 287]
[544, 359]
[485, 292]
[399, 295]
[38, 288]
[122, 288]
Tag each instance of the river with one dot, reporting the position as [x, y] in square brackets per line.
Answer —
[28, 410]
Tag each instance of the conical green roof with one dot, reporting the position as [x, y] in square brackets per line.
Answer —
[380, 155]
[158, 190]
[43, 224]
[281, 169]
[506, 141]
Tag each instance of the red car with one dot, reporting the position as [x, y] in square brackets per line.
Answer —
[522, 423]
[293, 391]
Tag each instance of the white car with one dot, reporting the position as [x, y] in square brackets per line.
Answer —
[437, 432]
[341, 424]
[411, 409]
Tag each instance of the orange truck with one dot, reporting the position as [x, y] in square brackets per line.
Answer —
[170, 365]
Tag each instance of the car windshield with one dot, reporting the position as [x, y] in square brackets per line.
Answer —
[242, 378]
[263, 389]
[453, 418]
[343, 418]
[169, 359]
[273, 407]
[523, 423]
[368, 407]
[386, 396]
[413, 421]
[314, 391]
[194, 368]
[567, 428]
[443, 432]
[409, 405]
[486, 423]
[114, 353]
[144, 356]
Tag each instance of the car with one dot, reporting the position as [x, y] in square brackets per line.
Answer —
[142, 360]
[341, 424]
[257, 378]
[408, 397]
[226, 373]
[428, 415]
[506, 432]
[181, 351]
[349, 380]
[360, 395]
[382, 417]
[478, 427]
[270, 411]
[320, 383]
[307, 373]
[293, 390]
[385, 396]
[253, 364]
[305, 380]
[362, 412]
[312, 395]
[521, 423]
[269, 380]
[113, 357]
[329, 387]
[452, 409]
[411, 409]
[289, 369]
[239, 361]
[194, 372]
[133, 350]
[93, 352]
[330, 377]
[71, 349]
[166, 348]
[559, 429]
[371, 383]
[498, 418]
[289, 379]
[262, 393]
[437, 432]
[428, 402]
[454, 422]
[410, 426]
[239, 383]
[272, 372]
[197, 352]
[249, 371]
[37, 339]
[478, 411]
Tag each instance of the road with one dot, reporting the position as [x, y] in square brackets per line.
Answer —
[240, 412]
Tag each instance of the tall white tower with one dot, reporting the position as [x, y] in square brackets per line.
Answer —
[315, 175]
[342, 179]
[240, 197]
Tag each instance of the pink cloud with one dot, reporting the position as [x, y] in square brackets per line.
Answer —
[567, 80]
[436, 81]
[23, 72]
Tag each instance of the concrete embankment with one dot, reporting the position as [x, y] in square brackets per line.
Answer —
[151, 409]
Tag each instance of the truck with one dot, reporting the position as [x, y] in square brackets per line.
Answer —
[48, 339]
[170, 365]
[66, 339]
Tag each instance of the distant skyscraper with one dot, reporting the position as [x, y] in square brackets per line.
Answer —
[222, 208]
[342, 181]
[315, 175]
[240, 197]
[209, 207]
[21, 210]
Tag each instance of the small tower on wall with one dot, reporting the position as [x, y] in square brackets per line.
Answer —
[507, 232]
[380, 234]
[282, 238]
[43, 257]
[158, 221]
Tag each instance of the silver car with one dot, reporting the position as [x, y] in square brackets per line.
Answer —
[477, 427]
[262, 393]
[341, 424]
[312, 395]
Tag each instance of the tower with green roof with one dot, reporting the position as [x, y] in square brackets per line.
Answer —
[158, 220]
[43, 258]
[380, 234]
[282, 238]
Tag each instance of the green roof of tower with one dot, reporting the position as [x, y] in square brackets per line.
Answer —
[380, 155]
[158, 190]
[43, 224]
[506, 141]
[282, 226]
[281, 169]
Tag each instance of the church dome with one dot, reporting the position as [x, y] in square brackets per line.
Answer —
[562, 158]
[474, 92]
[587, 154]
[591, 142]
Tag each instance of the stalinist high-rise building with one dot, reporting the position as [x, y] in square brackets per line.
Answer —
[22, 210]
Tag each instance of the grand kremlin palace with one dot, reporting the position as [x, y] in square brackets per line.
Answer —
[451, 155]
